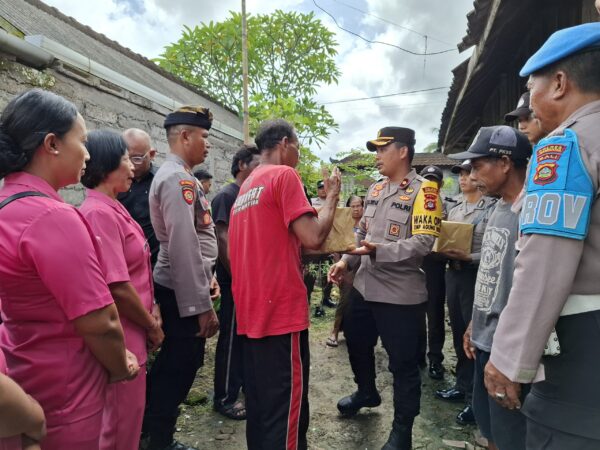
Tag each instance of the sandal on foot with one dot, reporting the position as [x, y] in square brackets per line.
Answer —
[236, 411]
[331, 342]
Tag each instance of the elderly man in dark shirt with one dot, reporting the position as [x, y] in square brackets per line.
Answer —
[141, 154]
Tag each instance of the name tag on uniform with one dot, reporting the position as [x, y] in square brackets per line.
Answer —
[400, 206]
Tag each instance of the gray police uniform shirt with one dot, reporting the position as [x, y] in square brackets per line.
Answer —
[495, 274]
[540, 291]
[393, 274]
[477, 214]
[188, 251]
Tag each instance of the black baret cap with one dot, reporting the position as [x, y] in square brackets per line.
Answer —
[388, 135]
[197, 116]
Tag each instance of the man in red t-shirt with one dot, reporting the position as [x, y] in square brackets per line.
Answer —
[270, 221]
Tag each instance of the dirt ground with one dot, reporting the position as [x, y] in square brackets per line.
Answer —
[331, 379]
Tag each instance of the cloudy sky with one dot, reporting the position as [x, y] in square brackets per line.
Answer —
[368, 70]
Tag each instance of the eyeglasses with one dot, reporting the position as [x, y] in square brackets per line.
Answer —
[139, 159]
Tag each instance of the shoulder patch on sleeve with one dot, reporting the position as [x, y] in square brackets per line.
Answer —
[427, 210]
[189, 183]
[559, 190]
[188, 193]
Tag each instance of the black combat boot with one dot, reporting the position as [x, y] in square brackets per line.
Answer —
[400, 436]
[350, 404]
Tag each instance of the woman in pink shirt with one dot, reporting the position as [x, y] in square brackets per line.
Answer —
[61, 335]
[126, 263]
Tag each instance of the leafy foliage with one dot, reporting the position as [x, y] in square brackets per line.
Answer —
[358, 169]
[290, 54]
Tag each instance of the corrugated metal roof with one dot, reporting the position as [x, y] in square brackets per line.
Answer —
[487, 85]
[476, 20]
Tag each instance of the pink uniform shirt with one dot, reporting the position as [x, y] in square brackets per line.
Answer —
[49, 276]
[125, 257]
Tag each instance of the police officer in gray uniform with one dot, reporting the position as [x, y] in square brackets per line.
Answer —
[556, 282]
[389, 294]
[183, 276]
[473, 208]
[434, 265]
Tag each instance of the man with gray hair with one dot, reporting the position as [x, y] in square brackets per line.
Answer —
[141, 154]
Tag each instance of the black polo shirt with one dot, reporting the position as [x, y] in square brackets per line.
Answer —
[221, 210]
[136, 202]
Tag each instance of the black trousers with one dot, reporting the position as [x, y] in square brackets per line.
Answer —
[540, 437]
[460, 291]
[309, 282]
[399, 327]
[173, 371]
[326, 290]
[229, 375]
[432, 336]
[504, 427]
[568, 400]
[276, 371]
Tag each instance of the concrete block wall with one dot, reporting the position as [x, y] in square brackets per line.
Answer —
[104, 105]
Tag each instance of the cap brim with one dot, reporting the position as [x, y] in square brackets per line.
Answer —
[459, 168]
[466, 155]
[375, 143]
[514, 115]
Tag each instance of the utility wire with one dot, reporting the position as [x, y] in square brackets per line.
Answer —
[380, 42]
[384, 95]
[399, 107]
[366, 13]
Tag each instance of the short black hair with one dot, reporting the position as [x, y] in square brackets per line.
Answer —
[202, 174]
[352, 197]
[411, 150]
[106, 149]
[583, 68]
[271, 132]
[243, 155]
[26, 121]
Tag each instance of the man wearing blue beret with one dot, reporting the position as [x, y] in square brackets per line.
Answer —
[549, 332]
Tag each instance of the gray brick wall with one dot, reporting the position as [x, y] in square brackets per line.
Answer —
[107, 106]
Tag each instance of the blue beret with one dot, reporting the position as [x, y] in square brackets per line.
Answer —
[561, 44]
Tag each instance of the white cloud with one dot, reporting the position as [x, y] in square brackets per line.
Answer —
[146, 26]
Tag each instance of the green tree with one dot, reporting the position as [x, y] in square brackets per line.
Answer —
[290, 54]
[358, 170]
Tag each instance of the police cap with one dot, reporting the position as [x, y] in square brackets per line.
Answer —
[388, 135]
[465, 165]
[522, 109]
[432, 172]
